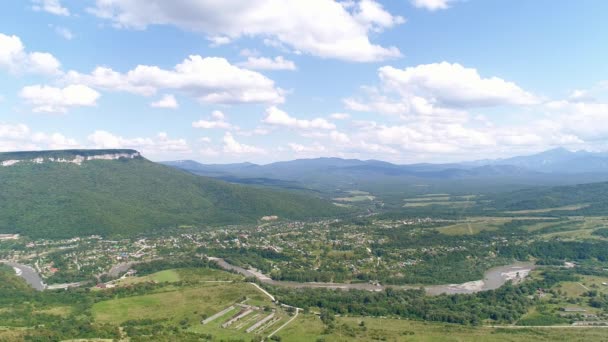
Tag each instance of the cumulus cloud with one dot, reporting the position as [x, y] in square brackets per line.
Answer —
[453, 85]
[277, 117]
[207, 79]
[432, 5]
[440, 89]
[50, 6]
[63, 32]
[339, 116]
[167, 101]
[14, 58]
[58, 100]
[234, 147]
[217, 121]
[303, 149]
[265, 63]
[324, 28]
[339, 137]
[371, 14]
[157, 145]
[19, 137]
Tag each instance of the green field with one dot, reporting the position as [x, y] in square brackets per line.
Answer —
[171, 276]
[445, 203]
[310, 328]
[467, 228]
[548, 210]
[175, 305]
[357, 198]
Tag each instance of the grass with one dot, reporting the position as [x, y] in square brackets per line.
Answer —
[310, 328]
[192, 305]
[538, 319]
[186, 274]
[63, 311]
[475, 225]
[446, 203]
[467, 228]
[548, 210]
[428, 199]
[358, 198]
[577, 288]
[175, 305]
[169, 276]
[580, 228]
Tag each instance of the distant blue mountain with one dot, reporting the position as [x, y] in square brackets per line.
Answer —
[559, 160]
[554, 167]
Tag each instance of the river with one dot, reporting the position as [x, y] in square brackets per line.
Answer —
[493, 279]
[29, 274]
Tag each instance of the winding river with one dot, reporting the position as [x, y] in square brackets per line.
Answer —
[493, 279]
[29, 274]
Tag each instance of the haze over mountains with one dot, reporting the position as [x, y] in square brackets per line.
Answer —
[554, 167]
[119, 192]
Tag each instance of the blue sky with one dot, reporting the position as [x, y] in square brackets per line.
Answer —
[402, 80]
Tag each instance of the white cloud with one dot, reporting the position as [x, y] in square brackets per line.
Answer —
[275, 116]
[219, 40]
[340, 116]
[43, 63]
[157, 145]
[14, 58]
[265, 63]
[234, 147]
[302, 149]
[249, 53]
[255, 131]
[50, 6]
[207, 124]
[453, 85]
[575, 119]
[442, 90]
[64, 32]
[19, 137]
[432, 5]
[58, 100]
[339, 137]
[218, 115]
[209, 80]
[375, 17]
[217, 121]
[324, 28]
[167, 101]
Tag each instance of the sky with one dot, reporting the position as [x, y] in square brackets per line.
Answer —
[404, 81]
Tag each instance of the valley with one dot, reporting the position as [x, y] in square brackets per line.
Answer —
[518, 264]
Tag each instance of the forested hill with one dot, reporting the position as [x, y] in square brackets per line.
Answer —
[593, 197]
[118, 192]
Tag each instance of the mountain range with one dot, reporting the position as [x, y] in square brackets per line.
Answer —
[554, 167]
[120, 193]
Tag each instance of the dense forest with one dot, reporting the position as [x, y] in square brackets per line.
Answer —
[126, 197]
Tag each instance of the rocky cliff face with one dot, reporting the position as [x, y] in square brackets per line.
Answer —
[69, 156]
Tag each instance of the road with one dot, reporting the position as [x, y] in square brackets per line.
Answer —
[286, 324]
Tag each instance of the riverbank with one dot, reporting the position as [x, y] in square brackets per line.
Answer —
[29, 274]
[493, 279]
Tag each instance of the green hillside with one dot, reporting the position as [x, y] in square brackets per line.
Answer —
[129, 196]
[593, 198]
